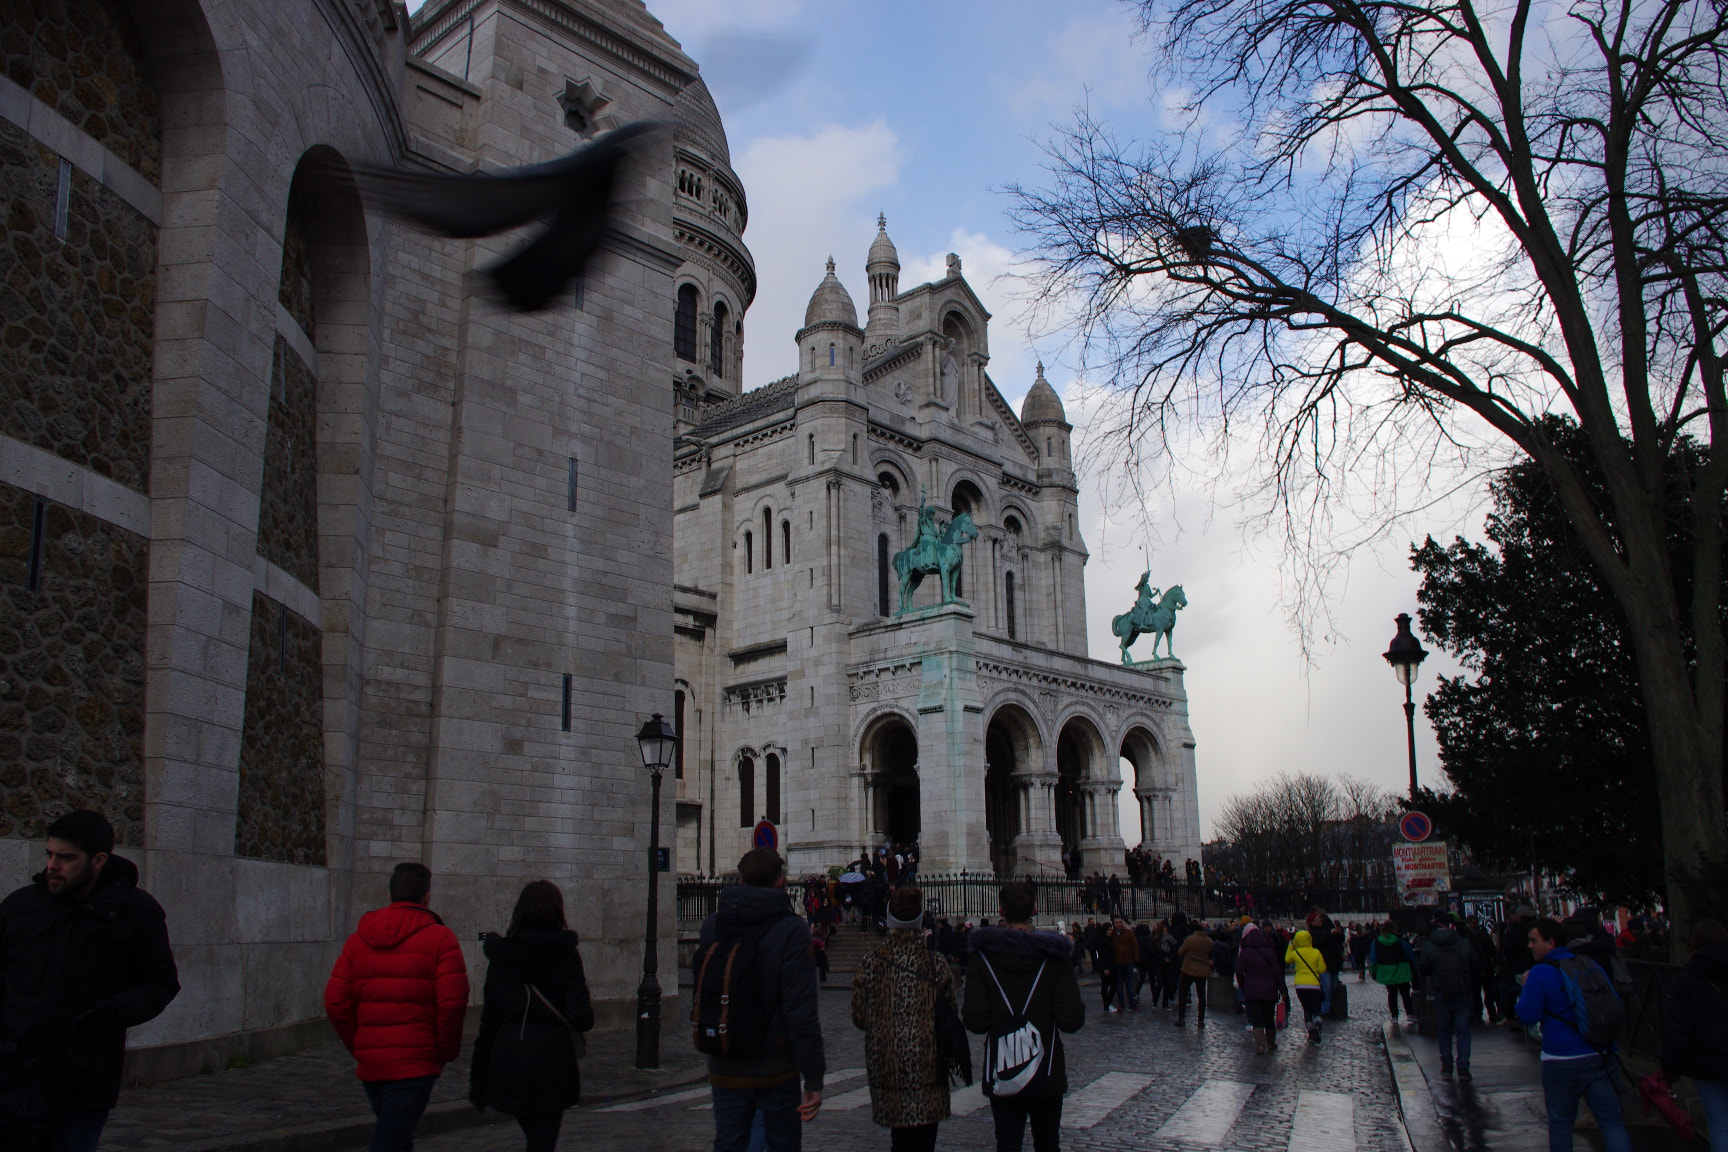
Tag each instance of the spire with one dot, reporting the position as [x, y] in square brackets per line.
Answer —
[883, 268]
[830, 301]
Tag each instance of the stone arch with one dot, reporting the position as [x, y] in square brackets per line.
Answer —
[1140, 747]
[686, 305]
[746, 762]
[888, 754]
[1013, 750]
[882, 461]
[1081, 763]
[965, 494]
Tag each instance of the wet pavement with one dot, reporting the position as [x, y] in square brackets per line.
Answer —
[1502, 1109]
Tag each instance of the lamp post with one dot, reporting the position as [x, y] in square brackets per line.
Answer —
[1406, 654]
[658, 742]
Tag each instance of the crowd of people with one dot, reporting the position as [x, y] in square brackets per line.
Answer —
[85, 955]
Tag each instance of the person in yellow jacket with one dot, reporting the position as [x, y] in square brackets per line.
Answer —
[1309, 965]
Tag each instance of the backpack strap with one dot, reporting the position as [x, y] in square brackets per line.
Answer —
[1006, 1003]
[1039, 975]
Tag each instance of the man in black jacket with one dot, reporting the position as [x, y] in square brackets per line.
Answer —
[766, 1080]
[1014, 969]
[83, 956]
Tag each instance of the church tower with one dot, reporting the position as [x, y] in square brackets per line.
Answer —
[883, 269]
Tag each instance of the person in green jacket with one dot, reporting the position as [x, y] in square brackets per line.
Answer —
[1392, 963]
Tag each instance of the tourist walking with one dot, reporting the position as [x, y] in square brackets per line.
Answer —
[1260, 976]
[1449, 968]
[776, 991]
[1194, 959]
[1573, 1069]
[1309, 968]
[1329, 942]
[1695, 1043]
[1393, 964]
[1020, 980]
[1515, 960]
[894, 997]
[1125, 963]
[84, 956]
[536, 1009]
[396, 998]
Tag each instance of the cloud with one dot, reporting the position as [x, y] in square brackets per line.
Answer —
[1096, 58]
[811, 196]
[691, 20]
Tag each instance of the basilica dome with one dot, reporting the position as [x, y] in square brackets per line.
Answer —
[830, 302]
[696, 123]
[1042, 404]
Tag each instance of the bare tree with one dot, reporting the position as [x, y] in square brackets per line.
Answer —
[1292, 277]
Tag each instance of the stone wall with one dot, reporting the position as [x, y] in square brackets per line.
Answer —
[71, 670]
[288, 503]
[282, 746]
[83, 60]
[76, 316]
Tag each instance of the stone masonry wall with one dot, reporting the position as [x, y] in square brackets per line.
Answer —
[282, 746]
[82, 60]
[288, 503]
[71, 670]
[76, 316]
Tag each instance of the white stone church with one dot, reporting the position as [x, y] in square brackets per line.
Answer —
[809, 695]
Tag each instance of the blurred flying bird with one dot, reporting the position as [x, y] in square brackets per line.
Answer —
[573, 195]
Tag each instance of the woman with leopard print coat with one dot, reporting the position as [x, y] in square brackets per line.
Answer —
[894, 1001]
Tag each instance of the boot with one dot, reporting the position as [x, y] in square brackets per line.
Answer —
[1259, 1041]
[1271, 1039]
[1200, 1016]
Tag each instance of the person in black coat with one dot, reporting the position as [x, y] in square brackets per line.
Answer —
[525, 1057]
[1695, 1043]
[1014, 957]
[84, 956]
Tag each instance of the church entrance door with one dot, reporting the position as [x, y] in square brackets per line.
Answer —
[894, 756]
[1070, 804]
[1001, 808]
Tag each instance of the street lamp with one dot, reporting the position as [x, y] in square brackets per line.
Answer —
[1405, 655]
[658, 742]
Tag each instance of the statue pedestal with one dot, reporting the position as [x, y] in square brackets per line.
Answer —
[1158, 664]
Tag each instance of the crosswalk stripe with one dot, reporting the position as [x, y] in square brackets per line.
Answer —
[1324, 1122]
[1209, 1114]
[1101, 1097]
[965, 1101]
[704, 1092]
[847, 1100]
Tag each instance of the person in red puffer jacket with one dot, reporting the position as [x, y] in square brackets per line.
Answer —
[397, 997]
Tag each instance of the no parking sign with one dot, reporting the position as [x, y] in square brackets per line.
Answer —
[1416, 827]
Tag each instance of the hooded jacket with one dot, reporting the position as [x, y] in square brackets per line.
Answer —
[1014, 956]
[398, 993]
[1695, 1042]
[1195, 955]
[74, 975]
[524, 1059]
[1259, 973]
[1391, 959]
[1307, 959]
[787, 986]
[1445, 946]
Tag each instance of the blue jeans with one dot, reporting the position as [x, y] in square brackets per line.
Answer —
[735, 1111]
[1452, 1012]
[1563, 1083]
[82, 1131]
[1714, 1095]
[1124, 996]
[397, 1104]
[1326, 979]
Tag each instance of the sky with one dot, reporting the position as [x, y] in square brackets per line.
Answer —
[837, 110]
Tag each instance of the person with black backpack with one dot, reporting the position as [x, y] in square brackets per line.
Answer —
[1021, 993]
[754, 1010]
[1581, 1018]
[1449, 966]
[536, 1009]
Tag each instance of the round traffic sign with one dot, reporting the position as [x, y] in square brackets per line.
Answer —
[1416, 826]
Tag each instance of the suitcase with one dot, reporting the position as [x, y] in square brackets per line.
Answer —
[1340, 1009]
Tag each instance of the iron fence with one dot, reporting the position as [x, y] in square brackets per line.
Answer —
[976, 896]
[1647, 1007]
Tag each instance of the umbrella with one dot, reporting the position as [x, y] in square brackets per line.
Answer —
[1653, 1091]
[852, 878]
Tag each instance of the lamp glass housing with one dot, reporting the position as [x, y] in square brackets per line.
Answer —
[658, 743]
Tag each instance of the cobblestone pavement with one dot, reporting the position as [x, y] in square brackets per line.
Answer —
[1129, 1073]
[317, 1086]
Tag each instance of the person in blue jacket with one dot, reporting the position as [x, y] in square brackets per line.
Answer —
[1572, 1068]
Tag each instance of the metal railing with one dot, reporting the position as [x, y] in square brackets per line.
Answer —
[1647, 1007]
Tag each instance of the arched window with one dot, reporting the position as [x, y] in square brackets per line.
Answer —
[749, 557]
[771, 787]
[746, 791]
[1008, 600]
[812, 447]
[767, 539]
[684, 324]
[678, 727]
[717, 341]
[882, 574]
[830, 355]
[785, 541]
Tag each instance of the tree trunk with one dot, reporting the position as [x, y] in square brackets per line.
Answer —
[1688, 758]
